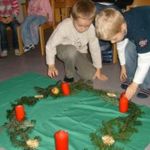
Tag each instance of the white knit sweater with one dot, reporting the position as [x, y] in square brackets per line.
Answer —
[66, 34]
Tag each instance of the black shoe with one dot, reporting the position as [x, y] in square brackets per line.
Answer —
[70, 80]
[124, 85]
[143, 93]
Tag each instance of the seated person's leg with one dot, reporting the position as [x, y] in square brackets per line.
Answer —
[14, 26]
[4, 40]
[38, 20]
[30, 34]
[26, 34]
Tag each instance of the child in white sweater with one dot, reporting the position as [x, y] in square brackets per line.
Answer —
[70, 42]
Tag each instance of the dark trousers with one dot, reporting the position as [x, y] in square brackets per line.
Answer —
[3, 33]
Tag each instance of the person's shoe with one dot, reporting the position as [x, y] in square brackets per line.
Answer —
[70, 80]
[4, 53]
[124, 85]
[143, 93]
[17, 53]
[28, 48]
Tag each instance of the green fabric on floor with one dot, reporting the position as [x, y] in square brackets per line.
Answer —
[78, 114]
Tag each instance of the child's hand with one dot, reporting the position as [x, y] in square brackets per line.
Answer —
[52, 71]
[123, 73]
[9, 19]
[131, 90]
[99, 75]
[4, 20]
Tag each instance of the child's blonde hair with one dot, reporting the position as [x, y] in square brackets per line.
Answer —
[108, 23]
[84, 9]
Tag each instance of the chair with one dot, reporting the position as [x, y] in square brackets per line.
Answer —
[61, 10]
[42, 28]
[114, 53]
[24, 11]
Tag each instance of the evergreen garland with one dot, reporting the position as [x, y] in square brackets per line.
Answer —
[117, 129]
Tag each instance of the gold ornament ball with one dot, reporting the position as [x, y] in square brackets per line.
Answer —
[55, 90]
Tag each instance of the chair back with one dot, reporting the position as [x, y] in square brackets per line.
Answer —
[61, 10]
[137, 3]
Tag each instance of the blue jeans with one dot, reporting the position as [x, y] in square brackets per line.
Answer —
[131, 57]
[3, 32]
[29, 29]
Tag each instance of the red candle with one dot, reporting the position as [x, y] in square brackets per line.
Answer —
[123, 103]
[61, 140]
[19, 112]
[65, 88]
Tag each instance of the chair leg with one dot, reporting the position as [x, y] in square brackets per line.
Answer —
[42, 41]
[20, 40]
[115, 55]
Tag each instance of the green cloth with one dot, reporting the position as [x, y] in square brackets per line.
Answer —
[79, 114]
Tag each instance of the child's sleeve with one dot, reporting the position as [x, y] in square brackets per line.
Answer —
[121, 51]
[15, 7]
[55, 39]
[94, 48]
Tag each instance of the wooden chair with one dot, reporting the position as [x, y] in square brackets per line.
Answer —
[61, 10]
[24, 11]
[42, 28]
[114, 54]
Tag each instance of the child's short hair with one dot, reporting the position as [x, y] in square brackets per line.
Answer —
[84, 9]
[108, 23]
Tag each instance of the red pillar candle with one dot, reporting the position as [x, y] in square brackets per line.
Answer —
[123, 103]
[19, 112]
[65, 87]
[61, 140]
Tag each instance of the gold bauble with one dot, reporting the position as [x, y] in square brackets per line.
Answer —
[55, 90]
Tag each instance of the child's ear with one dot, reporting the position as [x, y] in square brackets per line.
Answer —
[124, 27]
